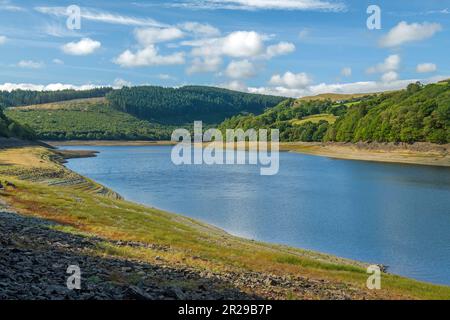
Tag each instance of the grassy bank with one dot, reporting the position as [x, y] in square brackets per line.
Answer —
[45, 188]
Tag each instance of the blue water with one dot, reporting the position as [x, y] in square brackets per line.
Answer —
[397, 215]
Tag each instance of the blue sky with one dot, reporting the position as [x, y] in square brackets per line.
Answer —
[284, 47]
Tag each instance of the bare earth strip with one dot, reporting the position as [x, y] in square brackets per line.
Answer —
[418, 153]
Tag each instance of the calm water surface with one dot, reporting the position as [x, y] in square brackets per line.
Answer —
[397, 215]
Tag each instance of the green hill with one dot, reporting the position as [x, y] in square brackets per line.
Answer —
[11, 129]
[85, 119]
[27, 97]
[418, 113]
[187, 104]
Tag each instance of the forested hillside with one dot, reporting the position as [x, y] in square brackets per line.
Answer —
[187, 104]
[11, 129]
[89, 119]
[27, 97]
[418, 113]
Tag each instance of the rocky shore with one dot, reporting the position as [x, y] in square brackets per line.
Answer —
[34, 258]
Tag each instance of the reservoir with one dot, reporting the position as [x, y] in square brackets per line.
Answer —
[392, 214]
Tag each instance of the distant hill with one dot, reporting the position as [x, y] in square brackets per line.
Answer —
[187, 104]
[418, 113]
[28, 97]
[334, 96]
[86, 119]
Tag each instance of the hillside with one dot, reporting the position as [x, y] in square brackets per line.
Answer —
[187, 104]
[416, 114]
[12, 129]
[27, 97]
[85, 119]
[334, 96]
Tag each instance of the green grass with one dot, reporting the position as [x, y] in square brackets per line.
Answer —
[316, 119]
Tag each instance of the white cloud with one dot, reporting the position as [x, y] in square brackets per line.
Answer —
[426, 67]
[352, 87]
[6, 5]
[404, 33]
[240, 69]
[83, 47]
[205, 64]
[30, 64]
[57, 61]
[346, 72]
[242, 44]
[205, 30]
[391, 63]
[389, 76]
[208, 52]
[279, 49]
[235, 85]
[150, 36]
[102, 16]
[3, 39]
[120, 83]
[291, 80]
[49, 87]
[305, 5]
[148, 56]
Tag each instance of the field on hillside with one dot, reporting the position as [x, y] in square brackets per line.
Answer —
[330, 118]
[85, 119]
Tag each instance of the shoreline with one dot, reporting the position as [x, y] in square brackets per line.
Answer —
[285, 271]
[419, 153]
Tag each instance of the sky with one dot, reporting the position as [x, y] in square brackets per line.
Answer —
[283, 47]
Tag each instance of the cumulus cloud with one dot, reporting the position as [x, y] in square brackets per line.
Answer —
[57, 61]
[242, 44]
[279, 49]
[291, 80]
[235, 85]
[389, 76]
[391, 63]
[208, 53]
[148, 56]
[346, 72]
[83, 47]
[240, 69]
[404, 33]
[205, 64]
[2, 40]
[426, 67]
[148, 36]
[304, 5]
[30, 64]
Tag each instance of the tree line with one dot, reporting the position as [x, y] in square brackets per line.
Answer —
[27, 97]
[187, 104]
[418, 113]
